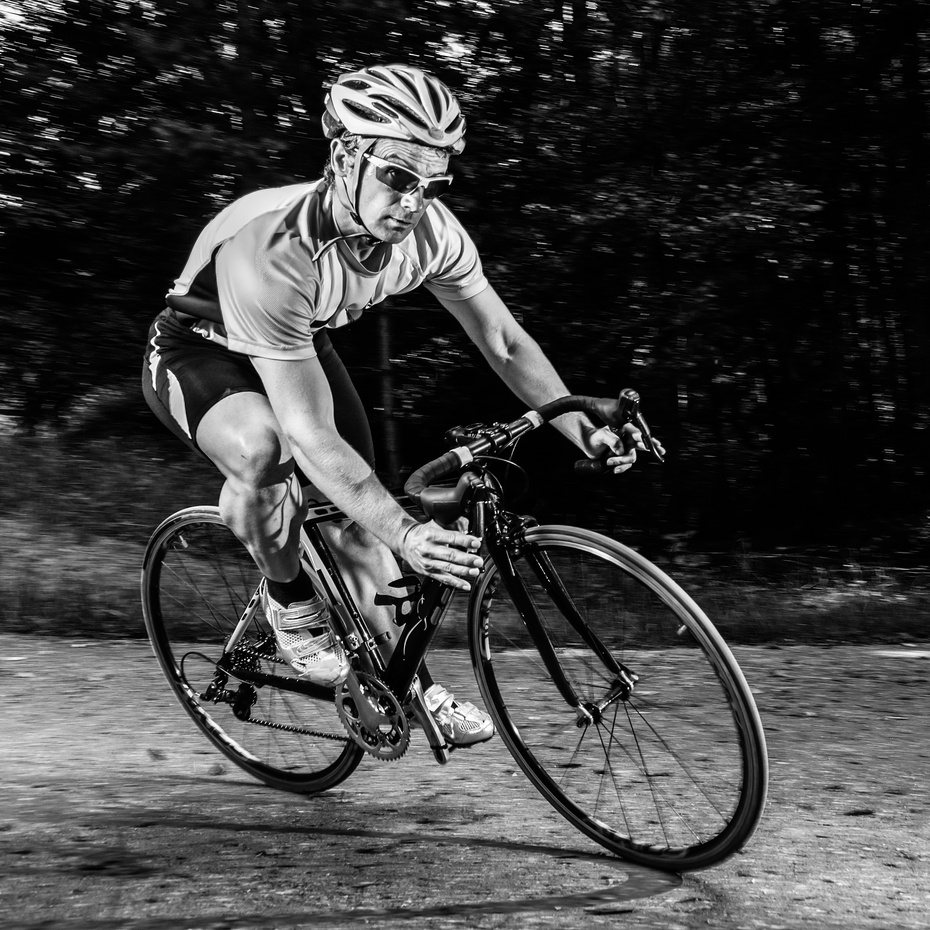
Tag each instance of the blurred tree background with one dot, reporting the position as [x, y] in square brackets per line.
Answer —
[719, 204]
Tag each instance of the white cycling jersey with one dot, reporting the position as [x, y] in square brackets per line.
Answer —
[269, 271]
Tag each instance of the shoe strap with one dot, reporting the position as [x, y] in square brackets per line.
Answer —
[436, 696]
[300, 616]
[310, 647]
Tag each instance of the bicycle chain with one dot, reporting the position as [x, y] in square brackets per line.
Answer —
[292, 729]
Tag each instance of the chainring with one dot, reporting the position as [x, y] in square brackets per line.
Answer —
[390, 739]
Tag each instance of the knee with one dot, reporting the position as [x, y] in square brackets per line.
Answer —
[260, 459]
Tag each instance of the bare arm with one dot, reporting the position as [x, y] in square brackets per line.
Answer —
[300, 396]
[524, 368]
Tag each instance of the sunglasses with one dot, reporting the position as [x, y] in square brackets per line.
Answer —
[405, 181]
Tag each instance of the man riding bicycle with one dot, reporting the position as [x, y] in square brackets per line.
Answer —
[241, 368]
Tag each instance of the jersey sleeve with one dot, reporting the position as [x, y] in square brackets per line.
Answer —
[454, 270]
[268, 297]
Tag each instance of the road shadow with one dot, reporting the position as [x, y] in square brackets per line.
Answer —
[626, 883]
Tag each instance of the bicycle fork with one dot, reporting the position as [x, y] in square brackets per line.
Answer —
[624, 679]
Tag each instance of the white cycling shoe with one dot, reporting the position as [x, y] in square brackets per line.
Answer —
[462, 724]
[305, 641]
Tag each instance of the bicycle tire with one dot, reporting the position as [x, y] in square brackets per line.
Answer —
[197, 581]
[673, 777]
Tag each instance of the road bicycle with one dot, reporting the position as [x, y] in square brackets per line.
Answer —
[610, 687]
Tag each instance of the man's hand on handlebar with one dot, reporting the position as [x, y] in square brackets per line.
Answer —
[620, 447]
[444, 554]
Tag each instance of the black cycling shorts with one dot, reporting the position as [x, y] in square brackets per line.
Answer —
[184, 375]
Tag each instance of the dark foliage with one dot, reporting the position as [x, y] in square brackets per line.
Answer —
[719, 204]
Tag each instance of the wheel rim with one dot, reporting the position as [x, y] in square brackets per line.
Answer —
[197, 583]
[672, 776]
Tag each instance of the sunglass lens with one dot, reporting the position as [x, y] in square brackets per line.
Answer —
[436, 188]
[397, 178]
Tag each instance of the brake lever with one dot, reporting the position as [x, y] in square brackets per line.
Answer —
[639, 421]
[626, 411]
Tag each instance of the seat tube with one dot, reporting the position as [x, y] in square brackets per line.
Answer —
[417, 634]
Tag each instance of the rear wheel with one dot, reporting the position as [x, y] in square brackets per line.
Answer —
[198, 585]
[671, 773]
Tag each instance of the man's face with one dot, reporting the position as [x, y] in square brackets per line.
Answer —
[391, 215]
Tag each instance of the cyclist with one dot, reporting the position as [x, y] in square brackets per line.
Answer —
[240, 365]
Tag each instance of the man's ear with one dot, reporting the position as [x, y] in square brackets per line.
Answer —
[340, 159]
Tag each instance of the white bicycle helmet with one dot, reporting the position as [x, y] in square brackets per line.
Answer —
[396, 102]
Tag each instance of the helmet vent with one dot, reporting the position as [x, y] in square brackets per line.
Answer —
[435, 99]
[414, 118]
[364, 112]
[406, 81]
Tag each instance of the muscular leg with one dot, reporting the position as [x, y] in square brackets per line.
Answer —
[260, 500]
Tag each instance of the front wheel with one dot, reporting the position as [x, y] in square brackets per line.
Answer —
[199, 589]
[664, 760]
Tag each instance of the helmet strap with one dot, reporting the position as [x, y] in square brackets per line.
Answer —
[353, 203]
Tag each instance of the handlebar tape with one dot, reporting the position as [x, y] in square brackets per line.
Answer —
[439, 468]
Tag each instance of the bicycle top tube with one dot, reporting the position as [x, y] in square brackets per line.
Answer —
[613, 413]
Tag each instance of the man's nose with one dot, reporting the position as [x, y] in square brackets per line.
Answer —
[413, 200]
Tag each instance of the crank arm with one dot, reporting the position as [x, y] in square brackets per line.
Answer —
[437, 742]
